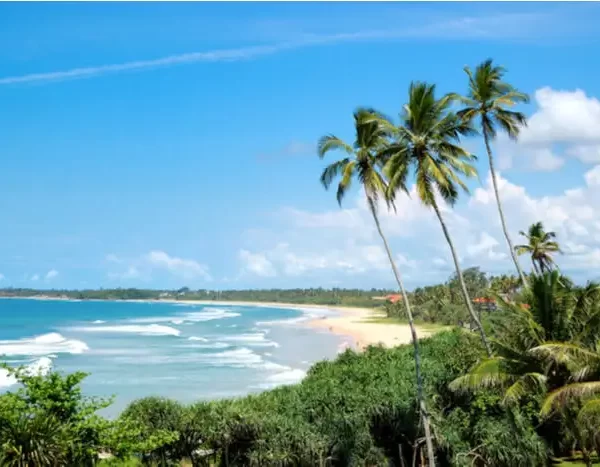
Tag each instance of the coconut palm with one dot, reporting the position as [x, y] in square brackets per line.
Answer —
[579, 399]
[486, 103]
[363, 162]
[540, 245]
[427, 140]
[556, 315]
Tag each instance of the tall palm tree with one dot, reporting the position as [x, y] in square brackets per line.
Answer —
[540, 245]
[486, 102]
[427, 140]
[363, 162]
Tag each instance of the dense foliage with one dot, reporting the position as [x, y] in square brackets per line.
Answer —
[535, 398]
[524, 392]
[357, 409]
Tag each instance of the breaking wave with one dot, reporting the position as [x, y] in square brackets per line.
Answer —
[44, 344]
[144, 330]
[252, 339]
[39, 367]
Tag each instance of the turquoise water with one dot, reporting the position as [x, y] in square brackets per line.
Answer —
[186, 352]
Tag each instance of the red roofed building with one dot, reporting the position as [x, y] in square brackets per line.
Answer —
[394, 298]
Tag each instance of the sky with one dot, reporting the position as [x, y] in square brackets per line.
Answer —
[164, 145]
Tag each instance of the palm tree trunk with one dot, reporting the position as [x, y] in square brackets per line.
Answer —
[413, 332]
[461, 281]
[535, 268]
[501, 212]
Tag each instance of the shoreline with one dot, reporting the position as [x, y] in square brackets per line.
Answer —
[349, 322]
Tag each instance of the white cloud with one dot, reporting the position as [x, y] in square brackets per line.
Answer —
[592, 177]
[588, 154]
[131, 273]
[186, 268]
[544, 160]
[112, 258]
[144, 266]
[563, 116]
[51, 274]
[565, 120]
[257, 263]
[343, 243]
[35, 277]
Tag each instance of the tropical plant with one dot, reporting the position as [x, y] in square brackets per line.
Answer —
[578, 401]
[47, 421]
[555, 312]
[427, 140]
[505, 285]
[486, 103]
[540, 245]
[363, 162]
[32, 441]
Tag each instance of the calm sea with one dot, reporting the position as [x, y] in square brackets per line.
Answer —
[186, 352]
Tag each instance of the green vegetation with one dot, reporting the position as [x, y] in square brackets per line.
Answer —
[311, 296]
[486, 104]
[534, 400]
[364, 162]
[540, 246]
[525, 392]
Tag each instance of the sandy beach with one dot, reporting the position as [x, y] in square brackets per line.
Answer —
[355, 323]
[352, 322]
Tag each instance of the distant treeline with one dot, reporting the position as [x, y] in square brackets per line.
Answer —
[315, 296]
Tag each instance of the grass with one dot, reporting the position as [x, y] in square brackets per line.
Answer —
[431, 327]
[575, 461]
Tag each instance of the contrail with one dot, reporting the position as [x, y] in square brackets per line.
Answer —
[466, 27]
[213, 56]
[224, 55]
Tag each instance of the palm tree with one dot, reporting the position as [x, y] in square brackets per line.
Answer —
[427, 139]
[556, 316]
[540, 246]
[364, 163]
[487, 102]
[579, 398]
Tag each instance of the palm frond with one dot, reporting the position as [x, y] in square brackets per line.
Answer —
[529, 383]
[561, 396]
[490, 372]
[334, 170]
[345, 182]
[569, 354]
[332, 143]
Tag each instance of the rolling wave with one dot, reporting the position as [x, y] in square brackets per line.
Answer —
[44, 344]
[144, 330]
[257, 339]
[207, 314]
[39, 367]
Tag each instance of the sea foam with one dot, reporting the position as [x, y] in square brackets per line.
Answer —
[207, 314]
[308, 314]
[51, 343]
[40, 367]
[257, 339]
[144, 330]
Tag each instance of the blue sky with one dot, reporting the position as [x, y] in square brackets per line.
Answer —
[163, 145]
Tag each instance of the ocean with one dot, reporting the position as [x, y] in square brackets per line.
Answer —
[183, 351]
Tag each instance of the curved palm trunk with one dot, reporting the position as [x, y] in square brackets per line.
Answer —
[535, 268]
[461, 281]
[413, 332]
[501, 212]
